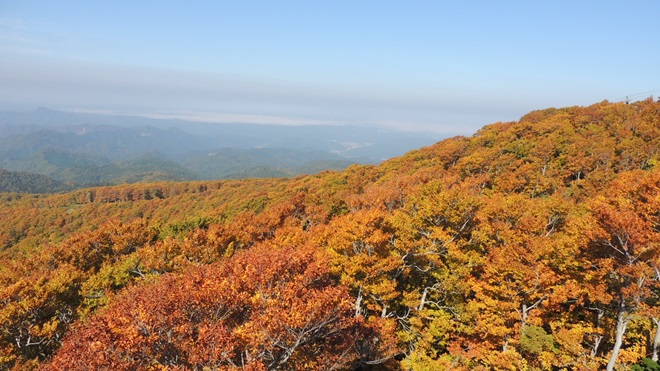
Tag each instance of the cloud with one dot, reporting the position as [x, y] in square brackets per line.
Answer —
[215, 117]
[76, 84]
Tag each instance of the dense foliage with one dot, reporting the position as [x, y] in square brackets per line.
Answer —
[533, 245]
[14, 181]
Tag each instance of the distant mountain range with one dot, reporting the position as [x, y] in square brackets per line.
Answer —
[84, 149]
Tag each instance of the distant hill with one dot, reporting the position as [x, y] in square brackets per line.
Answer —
[85, 170]
[179, 136]
[112, 143]
[22, 182]
[230, 163]
[92, 149]
[148, 167]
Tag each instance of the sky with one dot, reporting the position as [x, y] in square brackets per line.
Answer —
[439, 66]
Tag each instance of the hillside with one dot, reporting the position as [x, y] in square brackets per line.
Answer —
[12, 181]
[532, 245]
[233, 163]
[88, 150]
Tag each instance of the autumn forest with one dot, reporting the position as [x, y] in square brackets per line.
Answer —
[531, 245]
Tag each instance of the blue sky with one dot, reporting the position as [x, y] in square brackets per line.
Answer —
[443, 66]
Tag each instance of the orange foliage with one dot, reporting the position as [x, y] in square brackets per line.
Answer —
[267, 308]
[530, 245]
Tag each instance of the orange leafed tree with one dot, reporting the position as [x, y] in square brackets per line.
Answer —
[265, 308]
[624, 251]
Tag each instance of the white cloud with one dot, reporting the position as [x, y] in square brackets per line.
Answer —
[214, 117]
[159, 93]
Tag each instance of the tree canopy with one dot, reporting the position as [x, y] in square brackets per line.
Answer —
[532, 245]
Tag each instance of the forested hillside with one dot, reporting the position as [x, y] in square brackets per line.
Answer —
[88, 150]
[13, 181]
[532, 245]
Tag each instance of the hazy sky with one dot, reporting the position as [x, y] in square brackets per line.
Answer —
[444, 66]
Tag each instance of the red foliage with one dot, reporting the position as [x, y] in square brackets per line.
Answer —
[266, 308]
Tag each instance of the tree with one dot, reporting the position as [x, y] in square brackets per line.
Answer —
[360, 249]
[265, 308]
[625, 249]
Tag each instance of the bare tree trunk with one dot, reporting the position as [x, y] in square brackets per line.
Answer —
[594, 348]
[656, 339]
[423, 301]
[358, 303]
[597, 338]
[621, 324]
[523, 316]
[524, 313]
